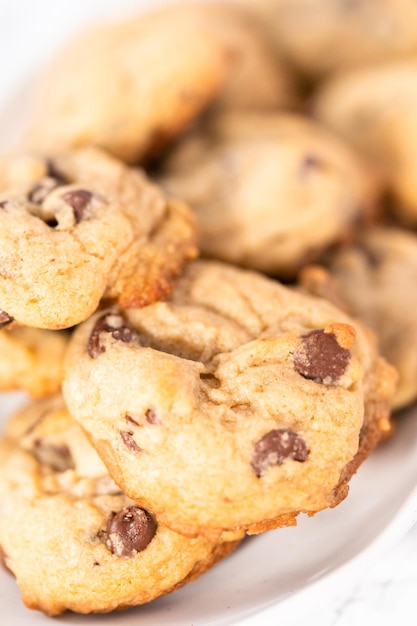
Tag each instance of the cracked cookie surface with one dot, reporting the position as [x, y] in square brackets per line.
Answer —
[232, 406]
[80, 226]
[70, 536]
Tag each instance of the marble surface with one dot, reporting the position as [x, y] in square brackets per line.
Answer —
[384, 592]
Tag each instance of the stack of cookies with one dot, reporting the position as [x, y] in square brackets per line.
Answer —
[201, 288]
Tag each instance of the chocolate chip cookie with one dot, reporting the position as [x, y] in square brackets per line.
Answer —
[321, 36]
[70, 536]
[129, 86]
[270, 191]
[132, 86]
[32, 360]
[232, 406]
[260, 79]
[374, 108]
[377, 277]
[79, 226]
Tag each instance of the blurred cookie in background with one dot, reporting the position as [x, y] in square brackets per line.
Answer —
[375, 109]
[321, 36]
[132, 86]
[270, 191]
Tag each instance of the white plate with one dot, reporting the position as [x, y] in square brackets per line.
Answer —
[279, 569]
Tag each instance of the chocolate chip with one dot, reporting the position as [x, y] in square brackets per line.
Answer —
[275, 447]
[114, 324]
[151, 416]
[309, 164]
[127, 438]
[321, 358]
[210, 380]
[5, 319]
[130, 419]
[78, 199]
[41, 190]
[130, 531]
[58, 457]
[372, 257]
[3, 204]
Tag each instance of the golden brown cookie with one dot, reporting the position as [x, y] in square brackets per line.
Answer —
[79, 226]
[374, 108]
[270, 191]
[70, 536]
[321, 36]
[234, 405]
[260, 79]
[129, 86]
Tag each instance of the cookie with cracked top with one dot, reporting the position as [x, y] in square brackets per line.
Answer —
[80, 226]
[271, 191]
[32, 360]
[374, 109]
[232, 406]
[70, 536]
[376, 278]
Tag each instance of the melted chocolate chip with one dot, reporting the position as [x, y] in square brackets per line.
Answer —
[321, 358]
[130, 531]
[3, 204]
[127, 438]
[114, 324]
[275, 447]
[79, 200]
[56, 456]
[5, 319]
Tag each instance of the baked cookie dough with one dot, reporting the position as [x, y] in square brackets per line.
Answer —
[128, 86]
[375, 109]
[321, 36]
[132, 86]
[260, 79]
[70, 536]
[234, 405]
[270, 191]
[32, 360]
[376, 278]
[79, 226]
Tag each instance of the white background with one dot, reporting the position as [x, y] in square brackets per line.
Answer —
[382, 594]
